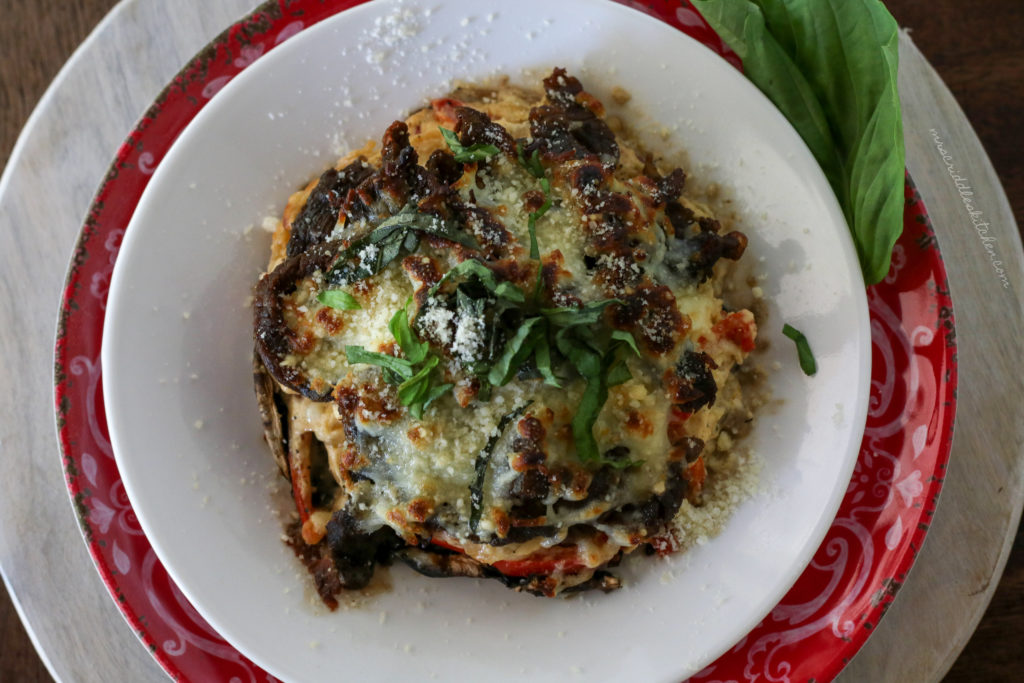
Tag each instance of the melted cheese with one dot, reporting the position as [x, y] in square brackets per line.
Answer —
[415, 475]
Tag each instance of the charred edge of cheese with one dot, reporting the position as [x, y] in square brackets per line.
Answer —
[538, 500]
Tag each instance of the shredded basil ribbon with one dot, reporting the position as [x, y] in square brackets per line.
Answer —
[803, 349]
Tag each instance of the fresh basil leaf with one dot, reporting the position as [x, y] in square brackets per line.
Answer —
[531, 225]
[627, 339]
[594, 397]
[465, 155]
[339, 299]
[542, 355]
[483, 459]
[400, 366]
[415, 389]
[581, 354]
[516, 351]
[830, 67]
[427, 223]
[534, 168]
[371, 253]
[589, 314]
[509, 292]
[396, 235]
[803, 349]
[436, 392]
[618, 373]
[391, 377]
[536, 215]
[410, 218]
[414, 349]
[531, 164]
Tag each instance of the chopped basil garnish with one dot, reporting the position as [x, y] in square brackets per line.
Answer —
[533, 167]
[414, 349]
[419, 391]
[803, 349]
[589, 314]
[415, 374]
[602, 369]
[399, 234]
[470, 267]
[535, 216]
[517, 350]
[339, 299]
[465, 155]
[532, 163]
[596, 354]
[401, 367]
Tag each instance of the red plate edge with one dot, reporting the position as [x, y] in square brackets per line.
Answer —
[816, 628]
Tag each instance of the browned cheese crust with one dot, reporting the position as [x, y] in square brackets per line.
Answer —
[501, 354]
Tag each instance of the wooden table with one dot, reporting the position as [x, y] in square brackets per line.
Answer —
[979, 55]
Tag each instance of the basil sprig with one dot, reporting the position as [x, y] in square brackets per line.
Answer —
[830, 67]
[399, 234]
[465, 155]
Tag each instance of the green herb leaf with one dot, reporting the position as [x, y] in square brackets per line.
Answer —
[414, 349]
[830, 67]
[542, 355]
[516, 351]
[414, 390]
[803, 349]
[531, 164]
[584, 357]
[618, 373]
[436, 392]
[472, 267]
[465, 155]
[399, 366]
[627, 339]
[594, 397]
[620, 463]
[589, 314]
[339, 299]
[483, 459]
[532, 227]
[395, 236]
[410, 218]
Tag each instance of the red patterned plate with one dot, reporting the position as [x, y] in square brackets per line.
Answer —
[814, 630]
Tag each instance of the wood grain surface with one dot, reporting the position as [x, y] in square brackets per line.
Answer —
[978, 53]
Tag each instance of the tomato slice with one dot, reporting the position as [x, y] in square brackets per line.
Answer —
[739, 328]
[547, 561]
[444, 111]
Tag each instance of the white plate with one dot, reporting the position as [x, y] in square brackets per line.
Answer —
[177, 349]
